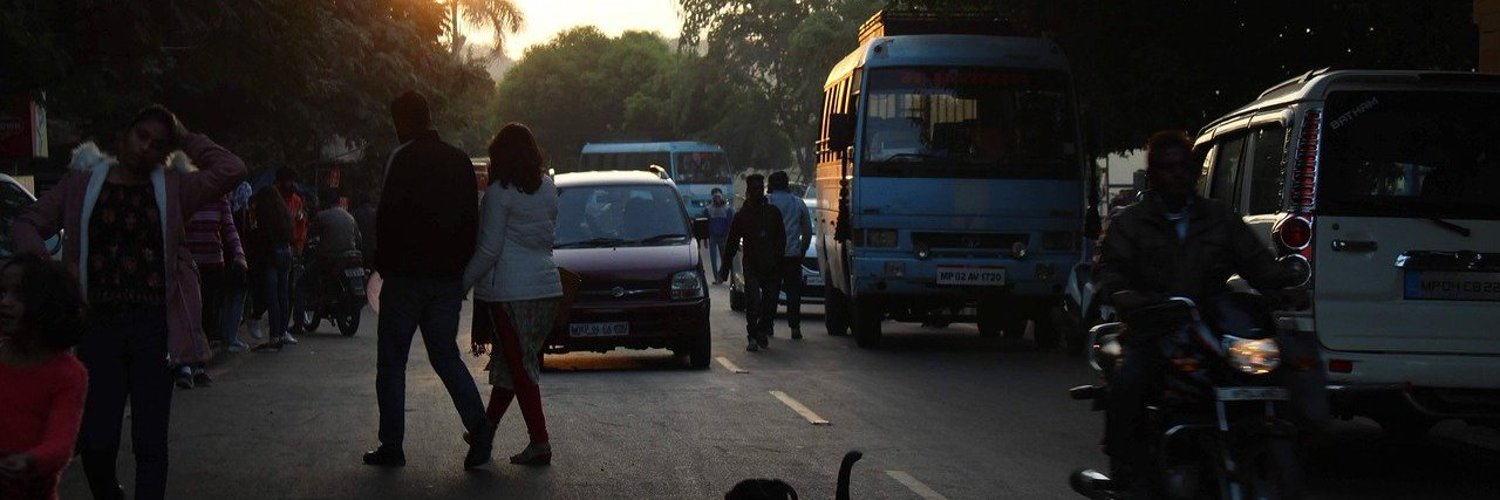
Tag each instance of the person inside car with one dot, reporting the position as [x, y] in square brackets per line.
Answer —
[1173, 243]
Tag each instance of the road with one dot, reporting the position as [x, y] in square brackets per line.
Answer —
[938, 413]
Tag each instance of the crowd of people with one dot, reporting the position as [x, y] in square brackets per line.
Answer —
[171, 254]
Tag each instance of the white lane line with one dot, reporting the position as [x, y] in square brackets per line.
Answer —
[915, 486]
[729, 365]
[799, 408]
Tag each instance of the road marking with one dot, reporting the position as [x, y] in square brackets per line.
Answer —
[914, 485]
[799, 408]
[729, 365]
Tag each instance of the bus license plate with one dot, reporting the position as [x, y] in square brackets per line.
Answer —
[971, 276]
[813, 280]
[1252, 394]
[613, 329]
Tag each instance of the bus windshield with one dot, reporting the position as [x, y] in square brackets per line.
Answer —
[968, 123]
[701, 168]
[622, 161]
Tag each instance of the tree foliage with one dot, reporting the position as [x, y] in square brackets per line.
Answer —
[274, 80]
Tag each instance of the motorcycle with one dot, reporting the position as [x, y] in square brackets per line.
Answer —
[1219, 411]
[336, 292]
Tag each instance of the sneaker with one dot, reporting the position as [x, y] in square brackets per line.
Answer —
[268, 346]
[184, 378]
[754, 346]
[386, 456]
[764, 341]
[287, 338]
[201, 379]
[237, 346]
[537, 455]
[796, 333]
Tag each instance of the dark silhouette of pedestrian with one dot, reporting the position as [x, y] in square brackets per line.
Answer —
[758, 228]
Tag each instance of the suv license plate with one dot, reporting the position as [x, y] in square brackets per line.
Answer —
[1452, 285]
[813, 280]
[971, 276]
[613, 329]
[1252, 394]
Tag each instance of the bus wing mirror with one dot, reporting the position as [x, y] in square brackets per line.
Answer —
[840, 131]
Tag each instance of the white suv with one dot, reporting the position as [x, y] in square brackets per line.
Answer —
[1385, 186]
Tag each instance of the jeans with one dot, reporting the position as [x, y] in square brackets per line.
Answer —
[791, 283]
[126, 356]
[232, 311]
[278, 289]
[716, 254]
[760, 304]
[433, 305]
[211, 289]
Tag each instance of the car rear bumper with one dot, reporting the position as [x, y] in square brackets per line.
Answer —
[652, 325]
[1445, 386]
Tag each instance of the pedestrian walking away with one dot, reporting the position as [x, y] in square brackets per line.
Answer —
[428, 219]
[286, 184]
[516, 286]
[42, 385]
[794, 217]
[125, 216]
[758, 228]
[719, 213]
[215, 244]
[236, 278]
[274, 235]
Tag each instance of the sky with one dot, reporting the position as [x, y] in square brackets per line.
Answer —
[546, 18]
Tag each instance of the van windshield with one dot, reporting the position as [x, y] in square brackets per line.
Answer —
[619, 215]
[1411, 154]
[968, 123]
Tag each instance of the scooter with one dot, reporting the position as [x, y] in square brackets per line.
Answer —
[1218, 411]
[336, 292]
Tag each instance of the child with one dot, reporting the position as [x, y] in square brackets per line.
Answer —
[42, 385]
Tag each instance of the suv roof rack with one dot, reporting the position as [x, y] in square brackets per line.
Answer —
[908, 18]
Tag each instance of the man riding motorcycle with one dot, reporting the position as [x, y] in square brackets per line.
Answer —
[1173, 243]
[336, 233]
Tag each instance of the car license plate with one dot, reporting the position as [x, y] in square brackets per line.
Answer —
[613, 329]
[354, 273]
[1452, 285]
[815, 280]
[971, 276]
[1252, 394]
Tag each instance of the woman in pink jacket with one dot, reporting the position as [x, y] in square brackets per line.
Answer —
[124, 216]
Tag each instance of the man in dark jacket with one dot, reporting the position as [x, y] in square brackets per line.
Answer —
[1172, 243]
[758, 225]
[428, 221]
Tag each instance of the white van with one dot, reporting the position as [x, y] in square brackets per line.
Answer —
[1385, 186]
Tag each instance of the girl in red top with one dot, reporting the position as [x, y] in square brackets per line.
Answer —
[42, 385]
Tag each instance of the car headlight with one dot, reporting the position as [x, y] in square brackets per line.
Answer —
[1255, 357]
[687, 285]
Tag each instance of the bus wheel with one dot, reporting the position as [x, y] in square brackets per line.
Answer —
[836, 313]
[867, 314]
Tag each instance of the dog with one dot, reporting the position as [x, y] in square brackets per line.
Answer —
[776, 489]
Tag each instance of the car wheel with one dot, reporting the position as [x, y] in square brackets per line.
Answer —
[991, 314]
[868, 313]
[736, 301]
[1045, 330]
[836, 311]
[701, 350]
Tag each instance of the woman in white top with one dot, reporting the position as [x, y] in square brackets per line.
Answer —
[516, 283]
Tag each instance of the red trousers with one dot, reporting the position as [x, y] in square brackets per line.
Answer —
[525, 389]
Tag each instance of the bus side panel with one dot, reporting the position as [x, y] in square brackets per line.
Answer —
[826, 221]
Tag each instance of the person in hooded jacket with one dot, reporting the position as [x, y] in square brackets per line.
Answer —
[758, 227]
[125, 215]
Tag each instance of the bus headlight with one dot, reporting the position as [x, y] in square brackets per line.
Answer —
[1255, 357]
[687, 285]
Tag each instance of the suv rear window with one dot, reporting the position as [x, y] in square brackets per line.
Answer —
[1411, 154]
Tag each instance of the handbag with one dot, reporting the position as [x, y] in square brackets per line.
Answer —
[483, 328]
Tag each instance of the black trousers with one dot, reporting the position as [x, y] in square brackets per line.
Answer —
[126, 355]
[760, 304]
[211, 279]
[791, 283]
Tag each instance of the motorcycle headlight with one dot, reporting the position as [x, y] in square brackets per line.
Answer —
[687, 285]
[1255, 357]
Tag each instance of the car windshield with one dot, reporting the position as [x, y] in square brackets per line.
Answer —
[1411, 154]
[590, 162]
[701, 168]
[608, 216]
[969, 122]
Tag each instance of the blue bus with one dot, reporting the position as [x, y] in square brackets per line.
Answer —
[950, 180]
[696, 167]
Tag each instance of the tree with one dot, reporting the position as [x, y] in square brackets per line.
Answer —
[502, 16]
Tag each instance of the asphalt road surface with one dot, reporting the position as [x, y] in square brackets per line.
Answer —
[939, 413]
